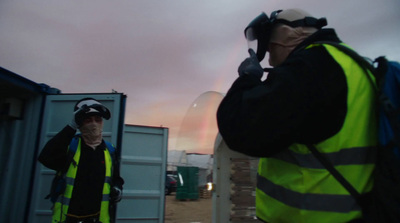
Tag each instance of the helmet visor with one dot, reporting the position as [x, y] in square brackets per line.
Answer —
[252, 40]
[256, 34]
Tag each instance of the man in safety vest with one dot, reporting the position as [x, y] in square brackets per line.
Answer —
[88, 167]
[314, 95]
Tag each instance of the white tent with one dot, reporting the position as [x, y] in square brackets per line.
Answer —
[205, 164]
[176, 158]
[204, 161]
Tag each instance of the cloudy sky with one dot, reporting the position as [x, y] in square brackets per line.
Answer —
[171, 58]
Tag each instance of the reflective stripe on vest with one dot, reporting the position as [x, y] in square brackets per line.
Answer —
[60, 208]
[294, 187]
[347, 156]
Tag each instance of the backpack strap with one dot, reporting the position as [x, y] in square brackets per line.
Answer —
[73, 145]
[116, 164]
[339, 177]
[110, 147]
[381, 70]
[363, 62]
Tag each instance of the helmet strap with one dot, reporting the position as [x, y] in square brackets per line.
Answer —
[306, 22]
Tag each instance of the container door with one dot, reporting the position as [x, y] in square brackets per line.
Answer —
[57, 114]
[143, 167]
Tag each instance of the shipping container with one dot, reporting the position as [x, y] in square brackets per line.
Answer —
[31, 113]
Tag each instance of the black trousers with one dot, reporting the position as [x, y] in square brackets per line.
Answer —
[82, 220]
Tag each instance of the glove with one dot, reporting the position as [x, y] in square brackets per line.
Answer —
[251, 66]
[115, 194]
[78, 116]
[73, 124]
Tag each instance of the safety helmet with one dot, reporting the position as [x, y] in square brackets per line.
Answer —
[92, 107]
[258, 32]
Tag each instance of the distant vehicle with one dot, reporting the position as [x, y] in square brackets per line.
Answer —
[170, 185]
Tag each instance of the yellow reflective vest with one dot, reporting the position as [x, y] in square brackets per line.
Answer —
[293, 186]
[60, 208]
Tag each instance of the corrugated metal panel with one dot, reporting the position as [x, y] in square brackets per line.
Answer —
[18, 142]
[143, 167]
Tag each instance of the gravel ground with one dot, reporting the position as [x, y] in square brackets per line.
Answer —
[187, 211]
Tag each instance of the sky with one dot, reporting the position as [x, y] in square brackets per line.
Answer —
[174, 59]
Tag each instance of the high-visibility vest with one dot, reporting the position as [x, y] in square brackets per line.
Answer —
[293, 186]
[60, 208]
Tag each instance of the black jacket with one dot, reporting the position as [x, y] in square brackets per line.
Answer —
[89, 181]
[304, 100]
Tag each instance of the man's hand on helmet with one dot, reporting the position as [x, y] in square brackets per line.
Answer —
[78, 117]
[251, 66]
